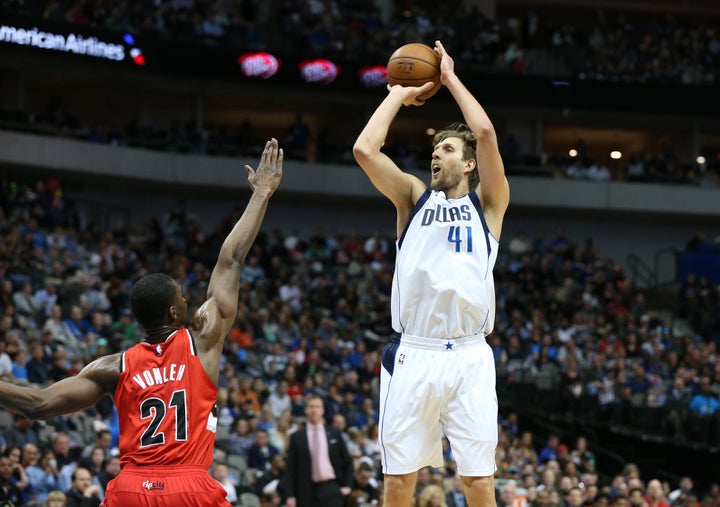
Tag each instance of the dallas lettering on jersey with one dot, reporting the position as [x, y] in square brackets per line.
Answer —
[72, 43]
[162, 375]
[446, 214]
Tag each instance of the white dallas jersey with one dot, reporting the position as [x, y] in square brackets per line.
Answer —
[443, 283]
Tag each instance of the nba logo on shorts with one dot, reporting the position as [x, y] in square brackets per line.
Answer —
[401, 359]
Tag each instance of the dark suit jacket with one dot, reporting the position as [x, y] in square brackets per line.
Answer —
[450, 500]
[256, 458]
[298, 469]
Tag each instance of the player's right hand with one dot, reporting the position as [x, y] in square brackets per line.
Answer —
[410, 94]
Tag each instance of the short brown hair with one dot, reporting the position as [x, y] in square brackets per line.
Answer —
[56, 495]
[462, 132]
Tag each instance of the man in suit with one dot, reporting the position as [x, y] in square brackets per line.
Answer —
[455, 497]
[260, 454]
[328, 480]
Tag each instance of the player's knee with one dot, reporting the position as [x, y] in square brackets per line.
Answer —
[400, 483]
[481, 485]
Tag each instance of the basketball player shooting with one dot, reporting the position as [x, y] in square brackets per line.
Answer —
[438, 372]
[165, 387]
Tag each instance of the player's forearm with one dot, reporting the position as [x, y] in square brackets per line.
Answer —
[27, 401]
[372, 137]
[237, 244]
[473, 113]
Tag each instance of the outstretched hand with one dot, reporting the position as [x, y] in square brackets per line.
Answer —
[447, 65]
[269, 172]
[410, 94]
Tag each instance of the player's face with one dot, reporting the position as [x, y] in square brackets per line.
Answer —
[447, 164]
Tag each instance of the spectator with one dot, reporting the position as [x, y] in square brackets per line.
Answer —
[241, 437]
[103, 440]
[279, 400]
[42, 473]
[220, 474]
[110, 470]
[19, 478]
[260, 453]
[272, 478]
[83, 492]
[6, 365]
[705, 403]
[22, 432]
[703, 411]
[365, 487]
[56, 499]
[37, 370]
[655, 496]
[9, 493]
[46, 298]
[549, 452]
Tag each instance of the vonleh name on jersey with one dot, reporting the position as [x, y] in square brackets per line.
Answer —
[162, 375]
[446, 214]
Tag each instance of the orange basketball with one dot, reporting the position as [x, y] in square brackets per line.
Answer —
[414, 65]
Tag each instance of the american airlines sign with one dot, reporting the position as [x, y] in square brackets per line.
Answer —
[70, 43]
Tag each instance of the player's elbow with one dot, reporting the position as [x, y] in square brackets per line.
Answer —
[362, 151]
[33, 406]
[484, 132]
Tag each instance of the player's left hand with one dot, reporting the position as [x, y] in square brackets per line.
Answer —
[447, 65]
[269, 172]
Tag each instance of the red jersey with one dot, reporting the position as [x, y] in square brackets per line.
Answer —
[165, 403]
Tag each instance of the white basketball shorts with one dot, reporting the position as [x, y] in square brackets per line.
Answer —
[430, 387]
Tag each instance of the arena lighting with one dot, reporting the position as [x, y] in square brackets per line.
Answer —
[319, 71]
[373, 77]
[572, 153]
[700, 160]
[615, 155]
[71, 43]
[261, 65]
[430, 131]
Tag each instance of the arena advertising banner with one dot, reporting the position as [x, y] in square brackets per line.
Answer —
[74, 43]
[236, 60]
[185, 57]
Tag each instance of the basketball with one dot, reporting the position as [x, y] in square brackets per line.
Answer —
[414, 65]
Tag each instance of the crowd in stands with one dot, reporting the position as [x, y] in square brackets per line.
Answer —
[611, 45]
[608, 45]
[327, 147]
[313, 316]
[662, 167]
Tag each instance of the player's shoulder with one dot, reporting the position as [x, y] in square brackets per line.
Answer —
[418, 186]
[104, 371]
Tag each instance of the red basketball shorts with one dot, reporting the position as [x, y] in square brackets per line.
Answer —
[164, 486]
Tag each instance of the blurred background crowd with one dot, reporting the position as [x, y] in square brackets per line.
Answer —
[312, 318]
[609, 45]
[608, 392]
[613, 45]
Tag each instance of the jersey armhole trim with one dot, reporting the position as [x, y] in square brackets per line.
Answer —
[191, 341]
[418, 205]
[478, 206]
[122, 361]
